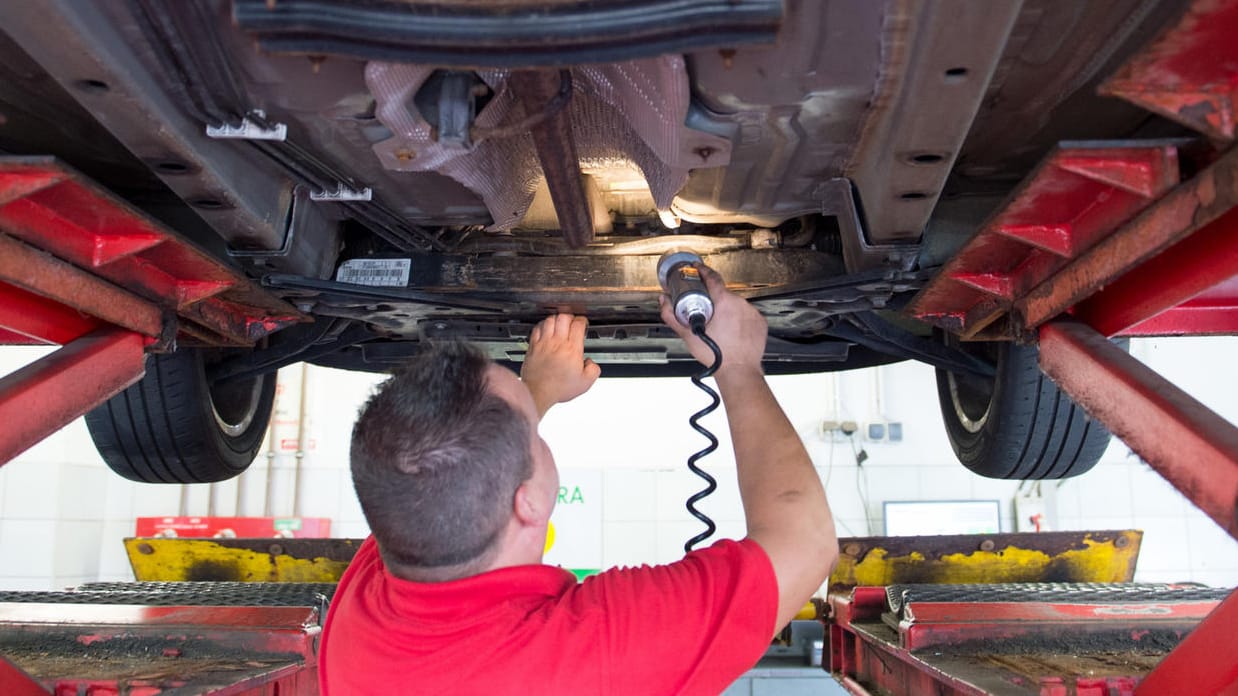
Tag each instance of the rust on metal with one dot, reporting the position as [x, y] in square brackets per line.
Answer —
[1191, 446]
[556, 150]
[1015, 639]
[43, 397]
[866, 650]
[1206, 259]
[240, 560]
[1187, 73]
[144, 650]
[38, 272]
[1073, 199]
[49, 207]
[1189, 207]
[1101, 556]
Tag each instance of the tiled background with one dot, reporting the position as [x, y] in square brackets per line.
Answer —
[63, 514]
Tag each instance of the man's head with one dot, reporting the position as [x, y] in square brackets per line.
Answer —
[446, 460]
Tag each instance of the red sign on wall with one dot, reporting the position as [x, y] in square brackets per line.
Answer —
[229, 527]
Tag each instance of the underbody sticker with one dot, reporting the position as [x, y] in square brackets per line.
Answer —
[375, 272]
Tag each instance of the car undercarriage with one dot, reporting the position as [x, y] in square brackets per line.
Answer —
[405, 172]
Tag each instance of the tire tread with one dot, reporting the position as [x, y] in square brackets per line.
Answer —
[1034, 430]
[162, 429]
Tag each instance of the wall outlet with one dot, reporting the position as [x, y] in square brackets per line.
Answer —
[838, 431]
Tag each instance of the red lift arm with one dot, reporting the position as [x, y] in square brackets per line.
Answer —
[82, 269]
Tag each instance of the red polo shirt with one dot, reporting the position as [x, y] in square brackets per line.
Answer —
[690, 627]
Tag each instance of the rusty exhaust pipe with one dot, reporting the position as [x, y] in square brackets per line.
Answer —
[544, 91]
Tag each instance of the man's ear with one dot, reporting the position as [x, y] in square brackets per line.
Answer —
[527, 506]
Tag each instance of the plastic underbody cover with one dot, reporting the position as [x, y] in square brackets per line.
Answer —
[625, 117]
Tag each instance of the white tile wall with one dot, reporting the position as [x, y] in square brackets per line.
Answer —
[1162, 546]
[27, 549]
[320, 490]
[62, 514]
[629, 495]
[1211, 549]
[628, 543]
[350, 507]
[113, 563]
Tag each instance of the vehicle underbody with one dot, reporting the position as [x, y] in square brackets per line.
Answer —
[404, 172]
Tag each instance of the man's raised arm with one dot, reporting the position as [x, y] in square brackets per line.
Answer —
[784, 503]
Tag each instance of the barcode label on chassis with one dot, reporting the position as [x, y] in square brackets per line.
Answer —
[375, 272]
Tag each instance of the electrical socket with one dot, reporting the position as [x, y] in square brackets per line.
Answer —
[838, 431]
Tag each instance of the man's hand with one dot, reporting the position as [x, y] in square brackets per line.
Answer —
[737, 327]
[555, 369]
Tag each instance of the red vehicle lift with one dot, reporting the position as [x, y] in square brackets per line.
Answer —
[82, 269]
[1100, 240]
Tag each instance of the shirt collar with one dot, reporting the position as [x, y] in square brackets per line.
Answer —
[477, 594]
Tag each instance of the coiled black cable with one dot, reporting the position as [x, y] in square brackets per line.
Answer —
[698, 329]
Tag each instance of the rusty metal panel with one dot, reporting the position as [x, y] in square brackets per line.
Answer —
[1205, 198]
[930, 624]
[46, 205]
[1204, 261]
[1088, 640]
[146, 650]
[1191, 446]
[556, 151]
[1107, 556]
[241, 560]
[1187, 73]
[37, 272]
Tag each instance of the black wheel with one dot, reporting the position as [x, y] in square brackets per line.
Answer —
[1017, 424]
[175, 427]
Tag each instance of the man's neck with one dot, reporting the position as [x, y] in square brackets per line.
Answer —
[514, 547]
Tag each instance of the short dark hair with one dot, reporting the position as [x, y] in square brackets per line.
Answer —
[436, 461]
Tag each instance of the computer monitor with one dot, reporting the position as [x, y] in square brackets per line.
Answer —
[927, 517]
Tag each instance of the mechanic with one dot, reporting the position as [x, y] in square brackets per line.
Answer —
[449, 594]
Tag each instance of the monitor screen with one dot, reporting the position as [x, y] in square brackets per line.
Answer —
[926, 517]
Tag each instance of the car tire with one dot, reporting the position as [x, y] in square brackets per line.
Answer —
[173, 426]
[1017, 424]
